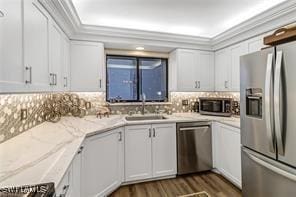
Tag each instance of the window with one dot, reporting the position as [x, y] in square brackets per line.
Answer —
[128, 78]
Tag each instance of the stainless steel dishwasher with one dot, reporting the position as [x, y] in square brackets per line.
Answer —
[194, 144]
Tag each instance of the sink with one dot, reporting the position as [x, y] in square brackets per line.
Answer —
[139, 118]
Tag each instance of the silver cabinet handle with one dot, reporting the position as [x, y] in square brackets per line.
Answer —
[80, 149]
[194, 128]
[226, 84]
[100, 83]
[120, 136]
[65, 191]
[195, 84]
[149, 133]
[55, 79]
[66, 82]
[277, 105]
[198, 84]
[154, 133]
[30, 75]
[268, 107]
[1, 14]
[51, 79]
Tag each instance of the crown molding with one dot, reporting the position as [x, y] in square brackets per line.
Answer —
[278, 16]
[64, 13]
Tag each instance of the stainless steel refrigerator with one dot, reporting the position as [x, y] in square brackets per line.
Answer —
[268, 122]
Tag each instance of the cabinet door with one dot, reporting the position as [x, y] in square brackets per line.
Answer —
[222, 70]
[138, 163]
[56, 59]
[164, 150]
[11, 47]
[66, 64]
[205, 72]
[229, 153]
[187, 61]
[255, 44]
[101, 170]
[236, 52]
[87, 66]
[76, 175]
[36, 50]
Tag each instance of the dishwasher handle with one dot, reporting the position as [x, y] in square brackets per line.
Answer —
[194, 128]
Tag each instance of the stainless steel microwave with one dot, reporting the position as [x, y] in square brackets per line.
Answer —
[215, 106]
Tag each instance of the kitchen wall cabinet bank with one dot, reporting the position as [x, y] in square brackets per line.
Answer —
[87, 66]
[191, 70]
[31, 52]
[227, 63]
[150, 151]
[227, 151]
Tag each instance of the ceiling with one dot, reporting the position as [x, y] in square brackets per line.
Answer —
[202, 18]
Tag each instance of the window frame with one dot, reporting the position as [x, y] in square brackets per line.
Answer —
[138, 78]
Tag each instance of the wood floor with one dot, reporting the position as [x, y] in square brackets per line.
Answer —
[215, 185]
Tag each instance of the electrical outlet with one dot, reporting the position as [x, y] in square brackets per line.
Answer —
[24, 114]
[87, 105]
[185, 102]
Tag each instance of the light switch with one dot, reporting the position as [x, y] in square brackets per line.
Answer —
[24, 114]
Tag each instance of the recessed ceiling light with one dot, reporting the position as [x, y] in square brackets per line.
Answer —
[140, 48]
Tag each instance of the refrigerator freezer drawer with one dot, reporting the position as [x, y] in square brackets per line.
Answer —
[262, 176]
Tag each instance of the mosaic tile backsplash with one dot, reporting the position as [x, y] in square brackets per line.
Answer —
[11, 124]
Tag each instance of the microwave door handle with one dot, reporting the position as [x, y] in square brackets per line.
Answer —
[277, 105]
[267, 101]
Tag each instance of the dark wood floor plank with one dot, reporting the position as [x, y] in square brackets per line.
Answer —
[214, 184]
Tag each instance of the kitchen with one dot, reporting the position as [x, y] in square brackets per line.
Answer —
[103, 98]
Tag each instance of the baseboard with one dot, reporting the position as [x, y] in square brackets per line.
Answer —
[150, 179]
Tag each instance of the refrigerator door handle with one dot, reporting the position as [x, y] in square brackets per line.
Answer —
[277, 106]
[268, 106]
[270, 166]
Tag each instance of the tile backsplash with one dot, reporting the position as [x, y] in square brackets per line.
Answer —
[11, 105]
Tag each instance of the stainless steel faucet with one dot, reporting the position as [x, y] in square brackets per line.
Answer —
[143, 104]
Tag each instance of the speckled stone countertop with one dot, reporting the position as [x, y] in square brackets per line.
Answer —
[43, 153]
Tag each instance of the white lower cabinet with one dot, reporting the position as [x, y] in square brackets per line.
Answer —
[150, 151]
[102, 163]
[226, 154]
[71, 182]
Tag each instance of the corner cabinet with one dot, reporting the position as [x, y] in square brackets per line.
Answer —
[102, 163]
[227, 151]
[191, 70]
[87, 66]
[150, 151]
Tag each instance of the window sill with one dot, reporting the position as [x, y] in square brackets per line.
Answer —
[139, 103]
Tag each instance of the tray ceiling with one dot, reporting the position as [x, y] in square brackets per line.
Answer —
[203, 18]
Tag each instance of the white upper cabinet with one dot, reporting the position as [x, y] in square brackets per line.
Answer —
[11, 57]
[36, 46]
[66, 64]
[255, 44]
[227, 67]
[87, 66]
[206, 71]
[56, 58]
[191, 70]
[222, 70]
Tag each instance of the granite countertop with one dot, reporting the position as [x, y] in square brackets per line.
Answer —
[43, 153]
